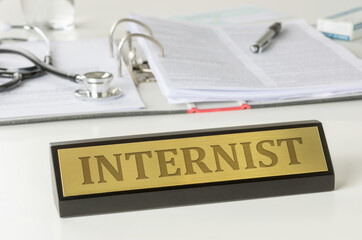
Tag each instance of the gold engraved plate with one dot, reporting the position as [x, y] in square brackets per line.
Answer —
[190, 160]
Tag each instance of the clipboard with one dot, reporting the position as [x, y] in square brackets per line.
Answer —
[155, 102]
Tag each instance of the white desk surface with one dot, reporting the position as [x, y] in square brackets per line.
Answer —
[27, 209]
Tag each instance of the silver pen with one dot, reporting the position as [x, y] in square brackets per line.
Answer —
[265, 40]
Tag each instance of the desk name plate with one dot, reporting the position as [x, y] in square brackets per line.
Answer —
[190, 167]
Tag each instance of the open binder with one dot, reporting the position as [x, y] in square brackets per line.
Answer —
[146, 83]
[155, 102]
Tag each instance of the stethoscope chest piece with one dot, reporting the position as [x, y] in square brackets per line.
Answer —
[96, 87]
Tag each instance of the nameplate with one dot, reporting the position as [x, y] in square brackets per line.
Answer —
[146, 171]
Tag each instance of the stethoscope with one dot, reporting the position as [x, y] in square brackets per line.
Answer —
[96, 84]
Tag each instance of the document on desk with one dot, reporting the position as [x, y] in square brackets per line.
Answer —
[208, 63]
[245, 14]
[52, 97]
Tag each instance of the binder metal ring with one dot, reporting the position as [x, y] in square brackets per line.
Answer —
[114, 26]
[129, 37]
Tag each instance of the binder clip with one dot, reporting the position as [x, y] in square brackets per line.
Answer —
[138, 68]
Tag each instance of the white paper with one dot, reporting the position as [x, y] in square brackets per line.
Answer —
[205, 63]
[245, 14]
[50, 95]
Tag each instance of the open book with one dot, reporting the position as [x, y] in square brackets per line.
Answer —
[214, 63]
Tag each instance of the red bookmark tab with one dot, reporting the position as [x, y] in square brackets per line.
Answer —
[196, 110]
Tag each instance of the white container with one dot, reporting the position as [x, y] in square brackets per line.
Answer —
[55, 14]
[344, 26]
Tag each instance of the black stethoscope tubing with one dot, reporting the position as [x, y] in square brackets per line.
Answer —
[40, 64]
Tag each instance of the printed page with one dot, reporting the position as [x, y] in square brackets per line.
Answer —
[298, 57]
[245, 14]
[205, 63]
[195, 58]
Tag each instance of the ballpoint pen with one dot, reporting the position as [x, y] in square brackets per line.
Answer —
[265, 40]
